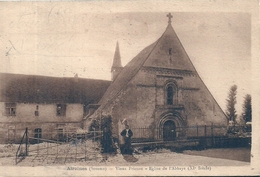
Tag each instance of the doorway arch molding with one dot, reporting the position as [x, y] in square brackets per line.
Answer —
[176, 118]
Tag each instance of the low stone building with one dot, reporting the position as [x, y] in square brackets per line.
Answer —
[48, 106]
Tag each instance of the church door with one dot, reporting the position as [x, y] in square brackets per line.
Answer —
[169, 131]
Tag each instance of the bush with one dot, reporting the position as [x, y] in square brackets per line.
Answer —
[107, 142]
[236, 131]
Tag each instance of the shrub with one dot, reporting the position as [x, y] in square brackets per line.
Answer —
[107, 142]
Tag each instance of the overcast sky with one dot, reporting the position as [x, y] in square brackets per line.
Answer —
[62, 39]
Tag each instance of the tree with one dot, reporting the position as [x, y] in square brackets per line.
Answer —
[247, 109]
[105, 123]
[107, 139]
[231, 101]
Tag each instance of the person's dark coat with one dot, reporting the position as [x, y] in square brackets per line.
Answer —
[127, 137]
[130, 133]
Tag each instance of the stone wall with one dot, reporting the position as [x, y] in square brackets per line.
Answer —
[13, 127]
[143, 103]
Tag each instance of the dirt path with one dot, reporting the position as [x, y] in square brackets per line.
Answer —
[240, 154]
[213, 157]
[171, 158]
[147, 159]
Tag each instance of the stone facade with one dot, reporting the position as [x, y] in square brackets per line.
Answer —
[44, 117]
[160, 89]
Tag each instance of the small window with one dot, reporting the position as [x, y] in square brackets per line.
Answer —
[36, 112]
[170, 95]
[10, 109]
[60, 134]
[38, 133]
[170, 51]
[61, 109]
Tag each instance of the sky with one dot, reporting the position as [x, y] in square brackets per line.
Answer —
[64, 39]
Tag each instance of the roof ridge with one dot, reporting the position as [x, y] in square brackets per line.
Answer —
[196, 72]
[135, 70]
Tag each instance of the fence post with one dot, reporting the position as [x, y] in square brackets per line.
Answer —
[38, 141]
[47, 148]
[26, 141]
[94, 134]
[57, 149]
[205, 130]
[76, 150]
[67, 138]
[197, 131]
[85, 146]
[15, 135]
[212, 135]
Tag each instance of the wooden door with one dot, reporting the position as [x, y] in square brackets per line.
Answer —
[169, 131]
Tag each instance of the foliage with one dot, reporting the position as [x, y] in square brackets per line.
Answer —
[236, 131]
[95, 125]
[231, 101]
[247, 109]
[106, 127]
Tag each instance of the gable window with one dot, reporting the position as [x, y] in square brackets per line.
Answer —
[10, 109]
[61, 109]
[36, 112]
[170, 51]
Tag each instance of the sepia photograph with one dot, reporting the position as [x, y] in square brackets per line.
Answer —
[129, 88]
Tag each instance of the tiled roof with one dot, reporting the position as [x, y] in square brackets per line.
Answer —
[43, 89]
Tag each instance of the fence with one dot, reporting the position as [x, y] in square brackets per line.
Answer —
[12, 132]
[59, 146]
[145, 134]
[201, 136]
[22, 150]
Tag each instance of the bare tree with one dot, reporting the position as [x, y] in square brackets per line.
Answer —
[231, 101]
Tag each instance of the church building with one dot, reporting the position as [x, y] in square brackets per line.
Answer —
[160, 94]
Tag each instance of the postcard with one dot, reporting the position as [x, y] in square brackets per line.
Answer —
[129, 88]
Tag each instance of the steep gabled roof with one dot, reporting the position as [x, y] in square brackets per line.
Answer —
[131, 69]
[43, 89]
[125, 76]
[169, 53]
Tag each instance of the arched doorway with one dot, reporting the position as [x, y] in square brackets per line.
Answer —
[169, 131]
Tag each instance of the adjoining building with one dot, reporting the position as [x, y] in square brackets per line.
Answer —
[48, 106]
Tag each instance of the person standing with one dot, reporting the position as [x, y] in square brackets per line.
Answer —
[127, 134]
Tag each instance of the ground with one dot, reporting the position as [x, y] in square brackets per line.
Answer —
[209, 157]
[239, 154]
